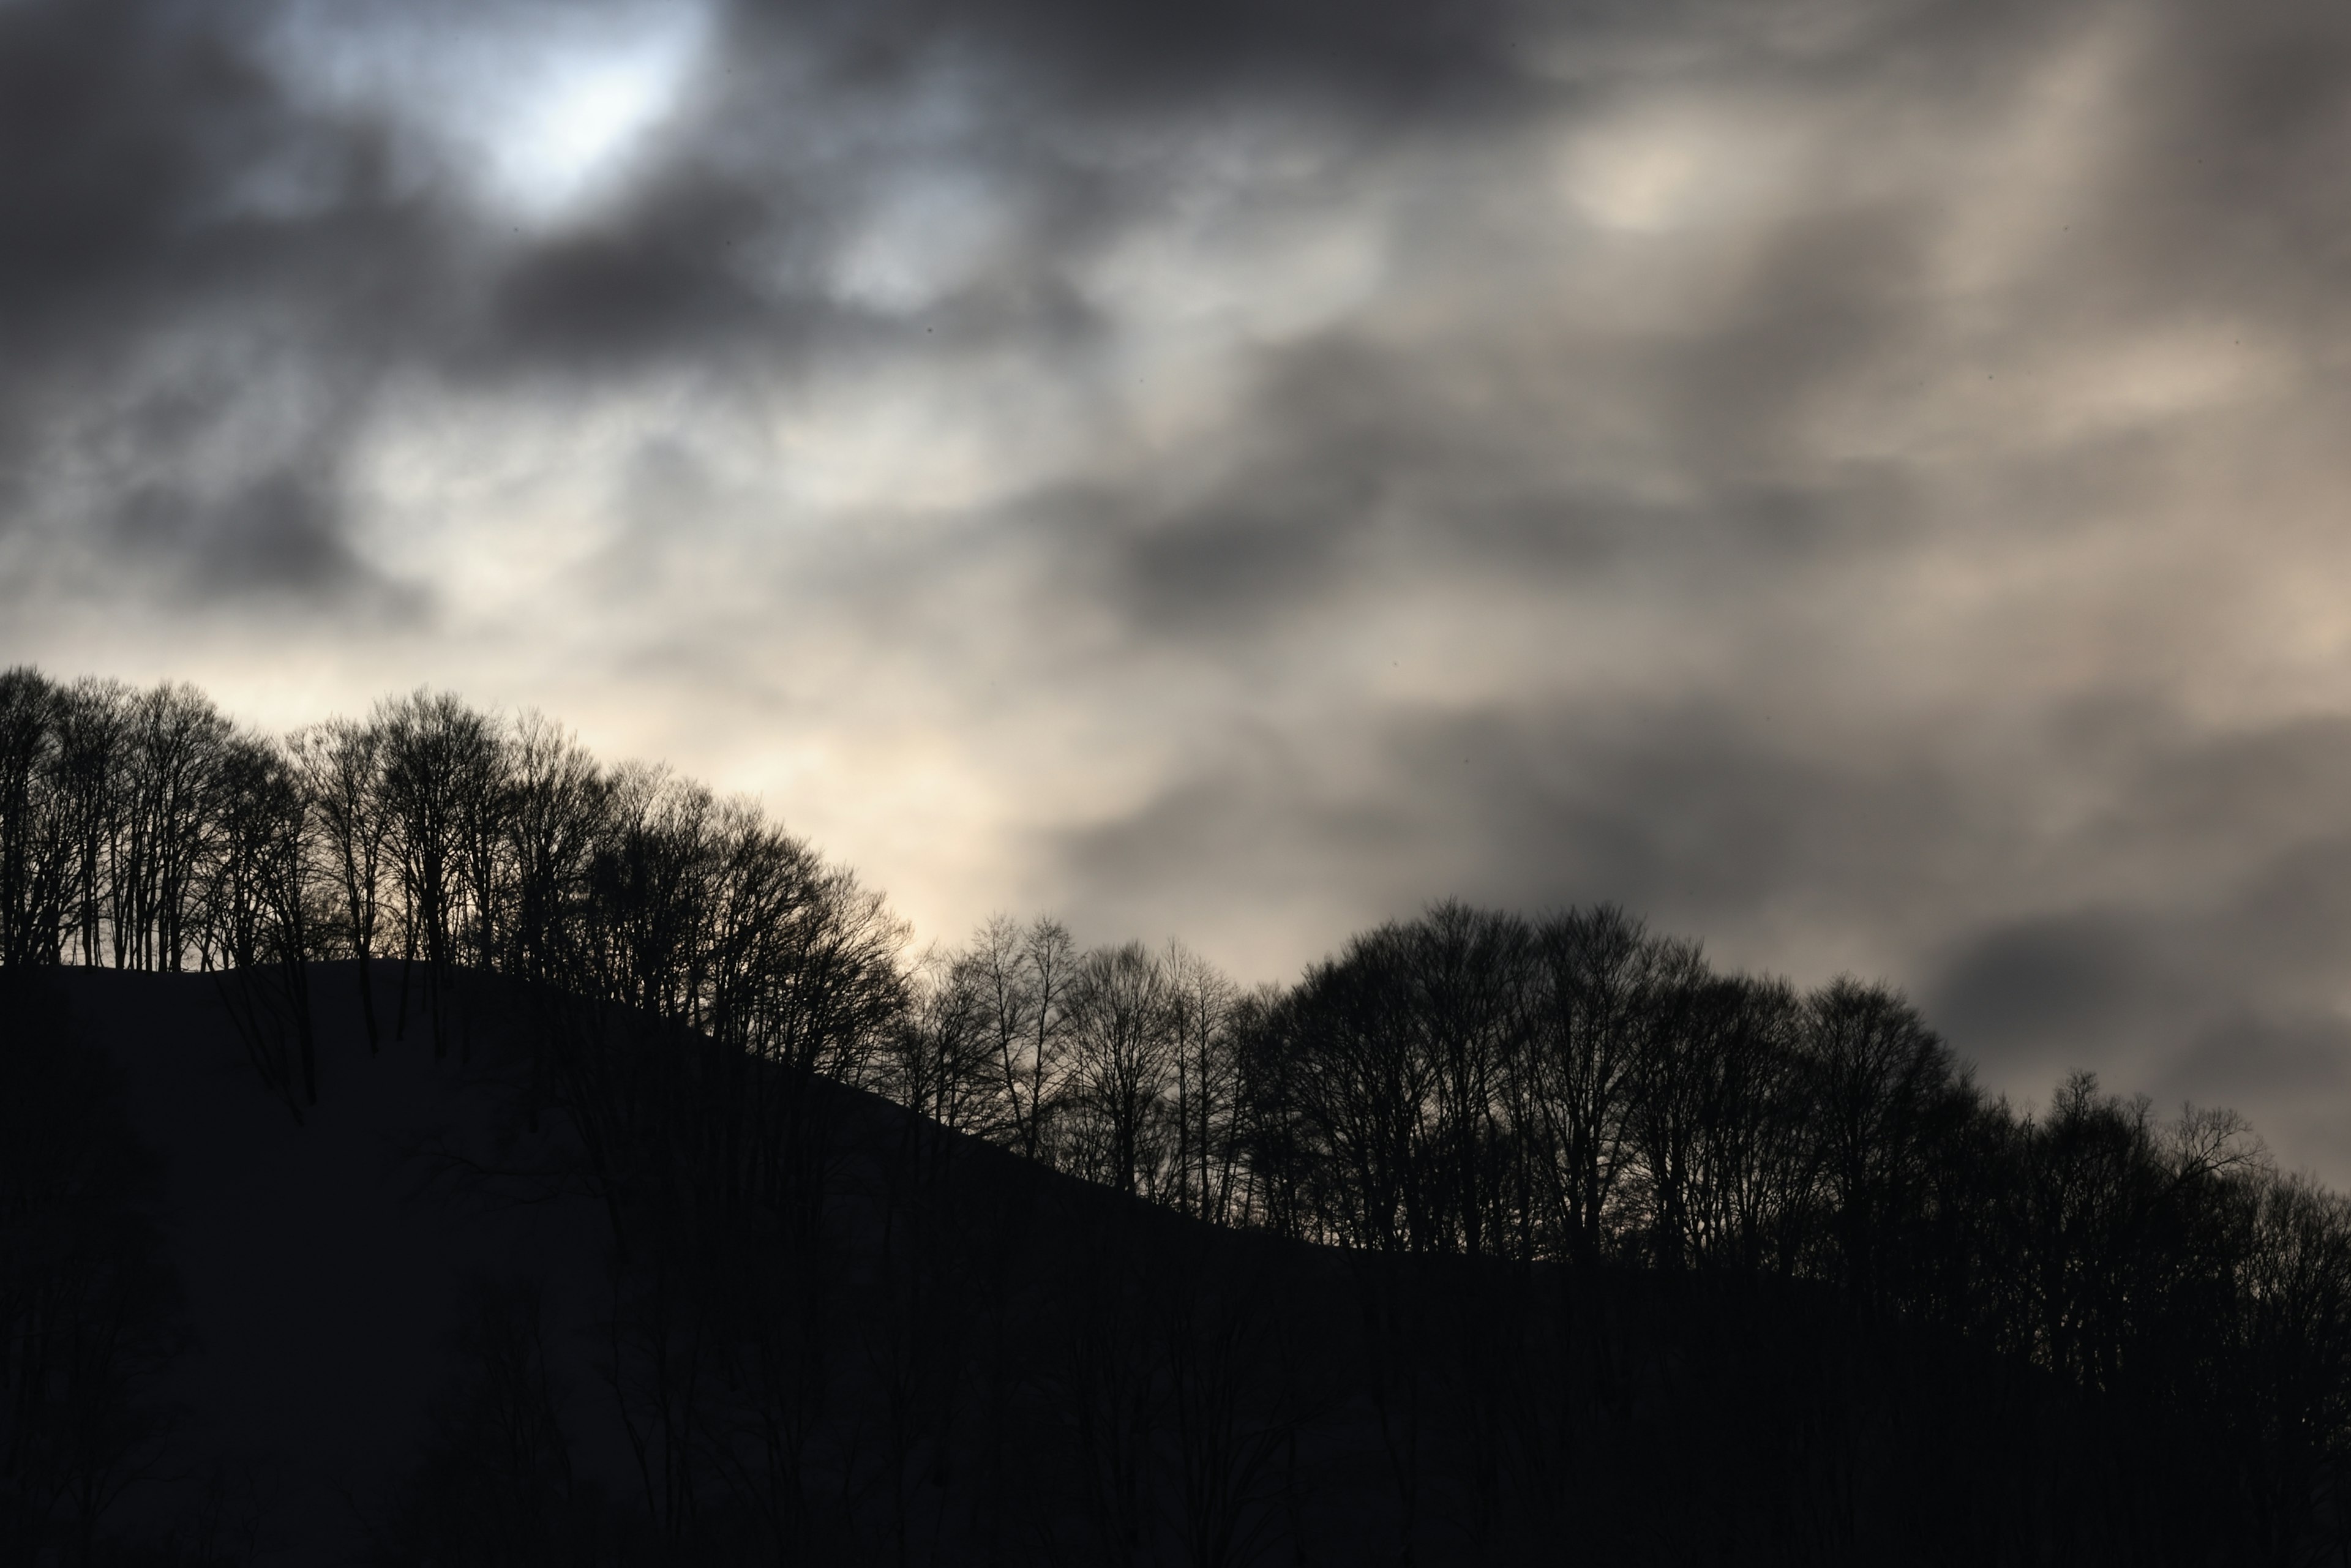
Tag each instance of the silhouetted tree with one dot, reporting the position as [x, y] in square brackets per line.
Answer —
[558, 800]
[340, 766]
[175, 746]
[91, 723]
[1121, 1067]
[1021, 980]
[32, 861]
[1877, 1077]
[1725, 1150]
[1201, 1003]
[260, 899]
[1597, 977]
[437, 756]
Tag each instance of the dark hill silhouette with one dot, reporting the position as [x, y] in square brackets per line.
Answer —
[322, 1265]
[416, 1331]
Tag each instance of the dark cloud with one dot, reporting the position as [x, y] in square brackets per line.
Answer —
[1350, 460]
[120, 127]
[160, 180]
[662, 282]
[2277, 1061]
[1234, 563]
[1151, 57]
[1696, 816]
[2239, 115]
[277, 536]
[1830, 299]
[2057, 989]
[181, 248]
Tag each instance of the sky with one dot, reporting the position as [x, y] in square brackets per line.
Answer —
[1858, 482]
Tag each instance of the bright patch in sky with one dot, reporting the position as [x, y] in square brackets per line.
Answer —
[538, 104]
[1653, 169]
[583, 113]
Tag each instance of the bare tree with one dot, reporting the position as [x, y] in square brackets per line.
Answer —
[32, 864]
[1200, 1003]
[341, 765]
[717, 974]
[436, 755]
[2295, 1328]
[1122, 1066]
[1752, 1163]
[558, 803]
[92, 721]
[1022, 978]
[176, 741]
[260, 897]
[1466, 979]
[1714, 1123]
[1597, 973]
[943, 1058]
[1360, 1091]
[1877, 1073]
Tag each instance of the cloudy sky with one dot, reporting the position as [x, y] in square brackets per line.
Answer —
[1861, 482]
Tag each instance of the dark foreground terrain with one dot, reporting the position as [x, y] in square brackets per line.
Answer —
[575, 1291]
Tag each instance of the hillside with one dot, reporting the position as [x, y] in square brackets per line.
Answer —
[324, 1263]
[427, 1321]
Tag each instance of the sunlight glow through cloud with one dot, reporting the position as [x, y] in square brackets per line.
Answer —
[1661, 168]
[584, 111]
[537, 105]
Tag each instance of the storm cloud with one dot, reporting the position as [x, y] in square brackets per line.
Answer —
[1858, 483]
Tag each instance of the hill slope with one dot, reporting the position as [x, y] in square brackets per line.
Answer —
[574, 1291]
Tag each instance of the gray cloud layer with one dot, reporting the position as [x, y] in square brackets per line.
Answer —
[1858, 482]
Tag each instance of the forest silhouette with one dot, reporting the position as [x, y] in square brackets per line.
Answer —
[1494, 1239]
